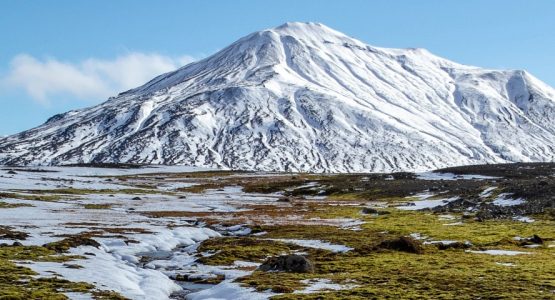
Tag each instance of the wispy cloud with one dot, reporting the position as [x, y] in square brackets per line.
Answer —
[89, 79]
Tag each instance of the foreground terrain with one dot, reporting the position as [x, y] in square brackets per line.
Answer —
[146, 232]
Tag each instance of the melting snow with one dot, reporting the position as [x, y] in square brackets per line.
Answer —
[503, 200]
[427, 204]
[316, 244]
[229, 290]
[524, 219]
[317, 285]
[450, 176]
[499, 252]
[487, 192]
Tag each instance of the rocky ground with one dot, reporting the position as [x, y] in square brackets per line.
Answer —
[144, 232]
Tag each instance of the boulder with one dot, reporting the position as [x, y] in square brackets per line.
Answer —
[288, 263]
[404, 244]
[536, 239]
[369, 211]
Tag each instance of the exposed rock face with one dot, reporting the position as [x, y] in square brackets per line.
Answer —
[304, 97]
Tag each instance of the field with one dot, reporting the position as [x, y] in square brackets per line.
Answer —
[153, 232]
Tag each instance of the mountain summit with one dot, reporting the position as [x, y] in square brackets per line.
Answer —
[304, 97]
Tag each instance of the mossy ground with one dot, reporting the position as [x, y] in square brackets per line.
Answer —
[436, 274]
[20, 283]
[387, 274]
[97, 206]
[314, 207]
[13, 205]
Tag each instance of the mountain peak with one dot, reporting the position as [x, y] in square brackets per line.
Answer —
[304, 27]
[304, 97]
[309, 31]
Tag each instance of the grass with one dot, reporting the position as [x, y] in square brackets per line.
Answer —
[226, 250]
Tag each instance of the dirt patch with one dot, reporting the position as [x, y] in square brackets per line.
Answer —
[8, 233]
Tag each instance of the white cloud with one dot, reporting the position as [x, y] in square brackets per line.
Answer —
[90, 79]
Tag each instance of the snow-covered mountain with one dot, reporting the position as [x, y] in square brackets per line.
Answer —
[305, 97]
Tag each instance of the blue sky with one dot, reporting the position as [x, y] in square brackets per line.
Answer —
[61, 55]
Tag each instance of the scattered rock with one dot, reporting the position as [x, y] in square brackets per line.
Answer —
[136, 198]
[182, 197]
[369, 210]
[284, 199]
[374, 211]
[536, 239]
[288, 263]
[180, 277]
[73, 266]
[12, 172]
[17, 244]
[404, 244]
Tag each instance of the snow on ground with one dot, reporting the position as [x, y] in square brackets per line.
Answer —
[453, 224]
[27, 178]
[424, 203]
[524, 219]
[504, 200]
[487, 192]
[445, 242]
[506, 264]
[169, 244]
[450, 176]
[316, 244]
[499, 252]
[229, 290]
[318, 285]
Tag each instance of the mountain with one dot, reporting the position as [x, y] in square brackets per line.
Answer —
[304, 97]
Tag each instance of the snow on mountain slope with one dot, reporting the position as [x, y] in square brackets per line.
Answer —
[304, 97]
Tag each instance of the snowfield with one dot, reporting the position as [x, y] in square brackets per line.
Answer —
[304, 97]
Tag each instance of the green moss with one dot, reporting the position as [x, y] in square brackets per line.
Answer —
[201, 188]
[72, 242]
[479, 233]
[227, 250]
[13, 205]
[435, 274]
[97, 206]
[35, 197]
[18, 282]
